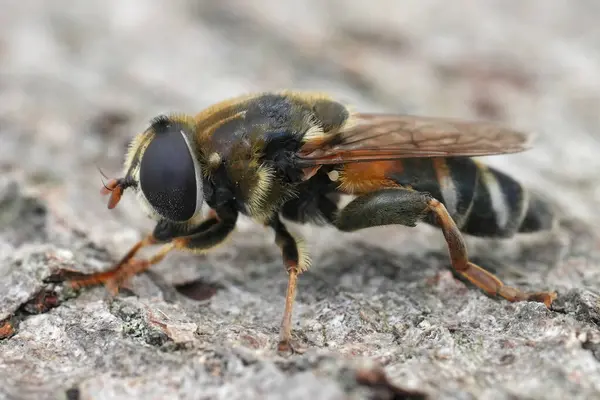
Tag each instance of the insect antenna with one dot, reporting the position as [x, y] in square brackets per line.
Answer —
[106, 189]
[101, 172]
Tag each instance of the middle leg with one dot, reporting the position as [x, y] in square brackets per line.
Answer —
[296, 261]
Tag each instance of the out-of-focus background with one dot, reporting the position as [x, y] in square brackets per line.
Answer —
[79, 79]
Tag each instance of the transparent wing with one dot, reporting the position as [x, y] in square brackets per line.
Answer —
[383, 137]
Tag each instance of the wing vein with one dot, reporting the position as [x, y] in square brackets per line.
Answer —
[384, 136]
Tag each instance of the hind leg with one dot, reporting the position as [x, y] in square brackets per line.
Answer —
[407, 207]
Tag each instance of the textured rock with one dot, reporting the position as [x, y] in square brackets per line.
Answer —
[380, 312]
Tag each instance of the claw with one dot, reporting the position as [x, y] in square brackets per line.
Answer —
[287, 348]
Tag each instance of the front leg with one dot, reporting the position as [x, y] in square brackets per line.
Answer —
[208, 234]
[295, 261]
[407, 207]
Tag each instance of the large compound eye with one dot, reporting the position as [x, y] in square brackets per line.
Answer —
[168, 173]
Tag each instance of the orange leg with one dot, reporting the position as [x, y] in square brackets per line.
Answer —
[295, 264]
[78, 279]
[481, 278]
[406, 207]
[117, 277]
[285, 331]
[207, 234]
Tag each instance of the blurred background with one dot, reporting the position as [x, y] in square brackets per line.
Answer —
[78, 79]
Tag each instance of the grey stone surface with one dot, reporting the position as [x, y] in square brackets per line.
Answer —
[78, 79]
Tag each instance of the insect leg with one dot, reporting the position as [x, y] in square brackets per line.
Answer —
[295, 261]
[208, 234]
[406, 207]
[78, 280]
[115, 278]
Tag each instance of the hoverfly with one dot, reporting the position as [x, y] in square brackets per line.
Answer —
[293, 155]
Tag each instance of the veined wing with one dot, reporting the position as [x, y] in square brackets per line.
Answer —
[386, 136]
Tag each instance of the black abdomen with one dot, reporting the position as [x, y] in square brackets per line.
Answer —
[482, 201]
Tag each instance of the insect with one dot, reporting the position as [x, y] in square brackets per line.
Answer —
[293, 155]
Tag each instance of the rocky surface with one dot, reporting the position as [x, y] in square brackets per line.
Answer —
[380, 313]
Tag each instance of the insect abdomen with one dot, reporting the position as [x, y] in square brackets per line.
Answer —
[482, 201]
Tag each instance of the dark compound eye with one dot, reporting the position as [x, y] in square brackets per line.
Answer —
[167, 173]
